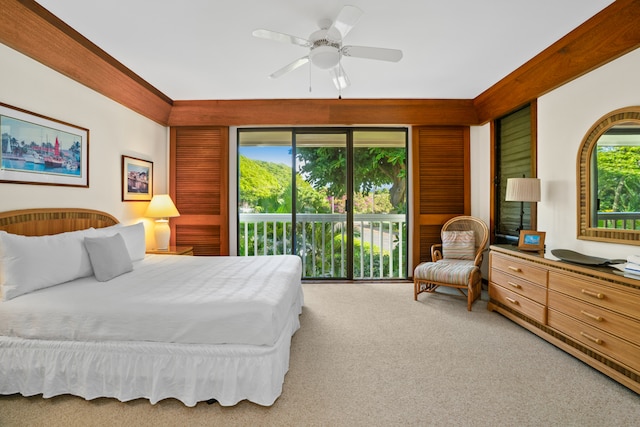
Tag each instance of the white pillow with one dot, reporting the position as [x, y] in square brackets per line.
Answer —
[29, 263]
[133, 235]
[109, 256]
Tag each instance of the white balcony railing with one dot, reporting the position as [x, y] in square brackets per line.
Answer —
[379, 242]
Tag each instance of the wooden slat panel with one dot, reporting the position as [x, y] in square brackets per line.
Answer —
[441, 182]
[199, 186]
[205, 239]
[199, 160]
[429, 235]
[441, 170]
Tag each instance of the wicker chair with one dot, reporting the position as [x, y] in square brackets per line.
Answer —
[455, 262]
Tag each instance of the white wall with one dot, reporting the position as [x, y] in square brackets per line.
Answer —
[481, 178]
[564, 117]
[481, 172]
[114, 131]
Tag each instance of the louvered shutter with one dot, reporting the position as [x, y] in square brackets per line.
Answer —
[515, 160]
[199, 165]
[440, 183]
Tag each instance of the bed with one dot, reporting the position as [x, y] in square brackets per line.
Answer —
[85, 311]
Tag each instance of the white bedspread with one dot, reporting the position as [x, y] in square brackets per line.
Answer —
[166, 299]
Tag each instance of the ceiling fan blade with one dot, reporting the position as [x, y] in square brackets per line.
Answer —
[346, 20]
[281, 37]
[339, 77]
[381, 53]
[287, 68]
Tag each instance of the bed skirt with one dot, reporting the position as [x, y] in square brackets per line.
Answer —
[190, 373]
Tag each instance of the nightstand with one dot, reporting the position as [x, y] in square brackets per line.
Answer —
[173, 250]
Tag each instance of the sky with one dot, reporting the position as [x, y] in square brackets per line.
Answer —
[274, 154]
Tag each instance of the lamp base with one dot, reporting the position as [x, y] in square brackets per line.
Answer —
[163, 234]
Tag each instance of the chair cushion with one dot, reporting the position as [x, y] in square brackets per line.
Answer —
[459, 244]
[453, 272]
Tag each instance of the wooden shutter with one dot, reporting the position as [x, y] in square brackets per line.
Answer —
[515, 160]
[199, 170]
[441, 179]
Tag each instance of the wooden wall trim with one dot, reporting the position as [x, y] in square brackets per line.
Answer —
[323, 112]
[34, 31]
[604, 37]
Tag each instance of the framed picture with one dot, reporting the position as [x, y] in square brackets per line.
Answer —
[40, 150]
[137, 179]
[531, 240]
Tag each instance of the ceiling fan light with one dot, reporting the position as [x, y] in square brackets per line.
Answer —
[325, 57]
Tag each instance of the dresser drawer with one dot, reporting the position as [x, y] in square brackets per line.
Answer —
[613, 297]
[519, 286]
[608, 321]
[522, 269]
[604, 343]
[519, 303]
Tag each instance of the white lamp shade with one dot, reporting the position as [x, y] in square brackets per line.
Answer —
[161, 206]
[523, 190]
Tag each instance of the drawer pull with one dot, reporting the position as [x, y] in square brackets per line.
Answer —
[512, 301]
[593, 294]
[516, 269]
[592, 316]
[515, 285]
[591, 338]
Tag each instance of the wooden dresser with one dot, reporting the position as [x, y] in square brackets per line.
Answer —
[592, 313]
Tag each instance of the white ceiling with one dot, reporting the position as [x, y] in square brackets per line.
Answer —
[203, 49]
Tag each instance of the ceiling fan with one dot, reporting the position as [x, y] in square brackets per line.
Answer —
[326, 49]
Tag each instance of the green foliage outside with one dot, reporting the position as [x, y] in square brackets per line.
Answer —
[618, 179]
[374, 167]
[265, 187]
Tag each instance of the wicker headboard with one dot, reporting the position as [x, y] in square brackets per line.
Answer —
[40, 222]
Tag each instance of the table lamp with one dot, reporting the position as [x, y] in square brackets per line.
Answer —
[522, 190]
[162, 208]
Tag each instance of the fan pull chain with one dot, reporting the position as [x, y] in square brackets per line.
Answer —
[309, 78]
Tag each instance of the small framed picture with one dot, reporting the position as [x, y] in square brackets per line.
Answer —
[137, 179]
[531, 240]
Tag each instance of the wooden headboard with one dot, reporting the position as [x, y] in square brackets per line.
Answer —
[40, 222]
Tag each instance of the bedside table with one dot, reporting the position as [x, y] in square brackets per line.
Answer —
[173, 250]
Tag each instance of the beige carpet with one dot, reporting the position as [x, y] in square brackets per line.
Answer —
[367, 354]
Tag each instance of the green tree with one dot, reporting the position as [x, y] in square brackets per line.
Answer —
[265, 187]
[374, 167]
[619, 178]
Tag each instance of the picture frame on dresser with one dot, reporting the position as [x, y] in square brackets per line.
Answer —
[531, 240]
[137, 179]
[41, 150]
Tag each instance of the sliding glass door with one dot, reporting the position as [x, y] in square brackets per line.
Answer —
[379, 204]
[335, 197]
